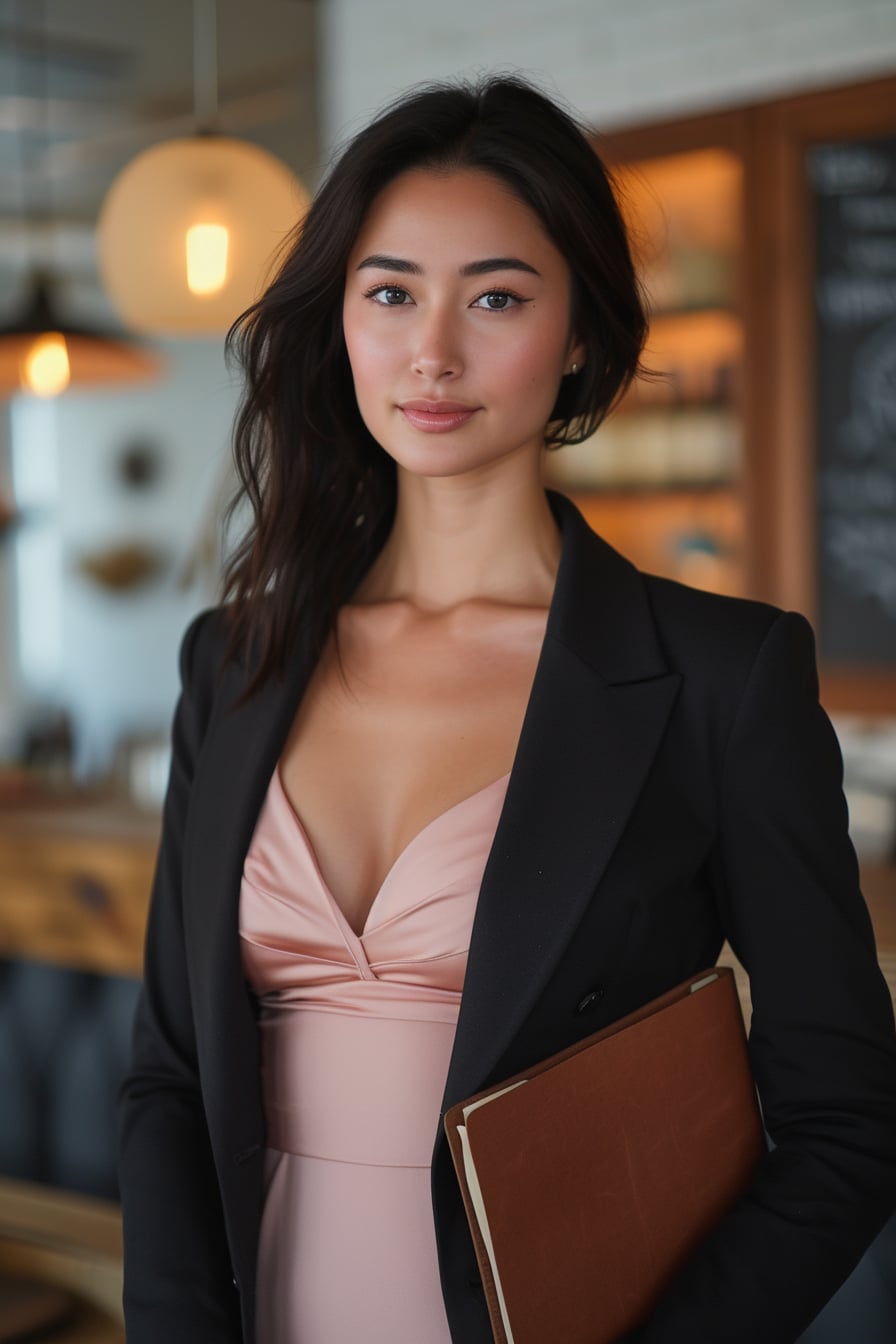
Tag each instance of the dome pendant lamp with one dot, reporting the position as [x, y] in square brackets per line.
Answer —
[41, 353]
[188, 229]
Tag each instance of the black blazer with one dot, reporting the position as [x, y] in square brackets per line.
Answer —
[676, 782]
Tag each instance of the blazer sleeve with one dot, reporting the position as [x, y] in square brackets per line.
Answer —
[178, 1283]
[822, 1041]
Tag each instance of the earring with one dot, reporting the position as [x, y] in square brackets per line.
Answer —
[574, 368]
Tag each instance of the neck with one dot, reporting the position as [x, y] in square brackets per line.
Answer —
[458, 539]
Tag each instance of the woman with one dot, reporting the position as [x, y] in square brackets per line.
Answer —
[454, 785]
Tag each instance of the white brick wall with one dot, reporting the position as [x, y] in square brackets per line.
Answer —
[616, 61]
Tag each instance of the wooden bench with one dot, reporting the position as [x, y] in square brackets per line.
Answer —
[69, 1242]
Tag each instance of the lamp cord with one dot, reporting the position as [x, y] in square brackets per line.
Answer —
[29, 212]
[205, 65]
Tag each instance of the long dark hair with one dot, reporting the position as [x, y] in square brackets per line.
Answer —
[321, 490]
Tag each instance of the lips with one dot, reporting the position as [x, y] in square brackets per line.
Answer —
[437, 416]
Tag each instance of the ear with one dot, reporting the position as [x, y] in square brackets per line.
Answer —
[577, 353]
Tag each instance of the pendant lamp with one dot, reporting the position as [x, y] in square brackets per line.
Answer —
[40, 352]
[189, 228]
[43, 354]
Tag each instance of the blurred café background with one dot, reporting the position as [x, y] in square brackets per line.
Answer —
[141, 145]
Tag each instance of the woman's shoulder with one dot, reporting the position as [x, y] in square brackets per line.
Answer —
[204, 650]
[721, 633]
[205, 636]
[677, 604]
[697, 629]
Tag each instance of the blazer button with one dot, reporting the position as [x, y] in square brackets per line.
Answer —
[590, 999]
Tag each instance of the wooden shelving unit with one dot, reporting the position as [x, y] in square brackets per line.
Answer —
[711, 472]
[661, 480]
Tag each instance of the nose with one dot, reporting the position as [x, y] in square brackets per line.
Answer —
[436, 353]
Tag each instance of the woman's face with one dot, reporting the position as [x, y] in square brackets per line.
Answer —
[457, 322]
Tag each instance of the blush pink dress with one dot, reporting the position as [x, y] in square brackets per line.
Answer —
[356, 1035]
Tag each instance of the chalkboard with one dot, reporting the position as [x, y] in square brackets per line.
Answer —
[853, 192]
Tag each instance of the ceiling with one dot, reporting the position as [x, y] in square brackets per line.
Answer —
[86, 84]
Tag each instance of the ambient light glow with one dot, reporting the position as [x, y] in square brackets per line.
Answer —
[45, 368]
[207, 247]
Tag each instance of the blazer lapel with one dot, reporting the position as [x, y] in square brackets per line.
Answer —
[239, 754]
[598, 707]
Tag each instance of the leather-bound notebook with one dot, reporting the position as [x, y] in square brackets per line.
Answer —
[589, 1178]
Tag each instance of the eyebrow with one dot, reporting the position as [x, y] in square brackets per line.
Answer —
[385, 263]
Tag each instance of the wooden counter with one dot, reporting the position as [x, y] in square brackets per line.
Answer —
[75, 885]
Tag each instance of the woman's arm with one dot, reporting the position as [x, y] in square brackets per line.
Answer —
[178, 1285]
[822, 1042]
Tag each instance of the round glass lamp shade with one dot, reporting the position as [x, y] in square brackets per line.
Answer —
[188, 231]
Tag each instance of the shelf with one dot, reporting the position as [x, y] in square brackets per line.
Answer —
[714, 392]
[651, 490]
[653, 448]
[683, 215]
[708, 335]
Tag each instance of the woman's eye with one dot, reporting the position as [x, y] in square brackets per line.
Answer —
[395, 296]
[497, 300]
[389, 296]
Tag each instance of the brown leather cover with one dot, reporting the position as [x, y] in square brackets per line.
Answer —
[603, 1172]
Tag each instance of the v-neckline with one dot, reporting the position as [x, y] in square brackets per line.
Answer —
[412, 843]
